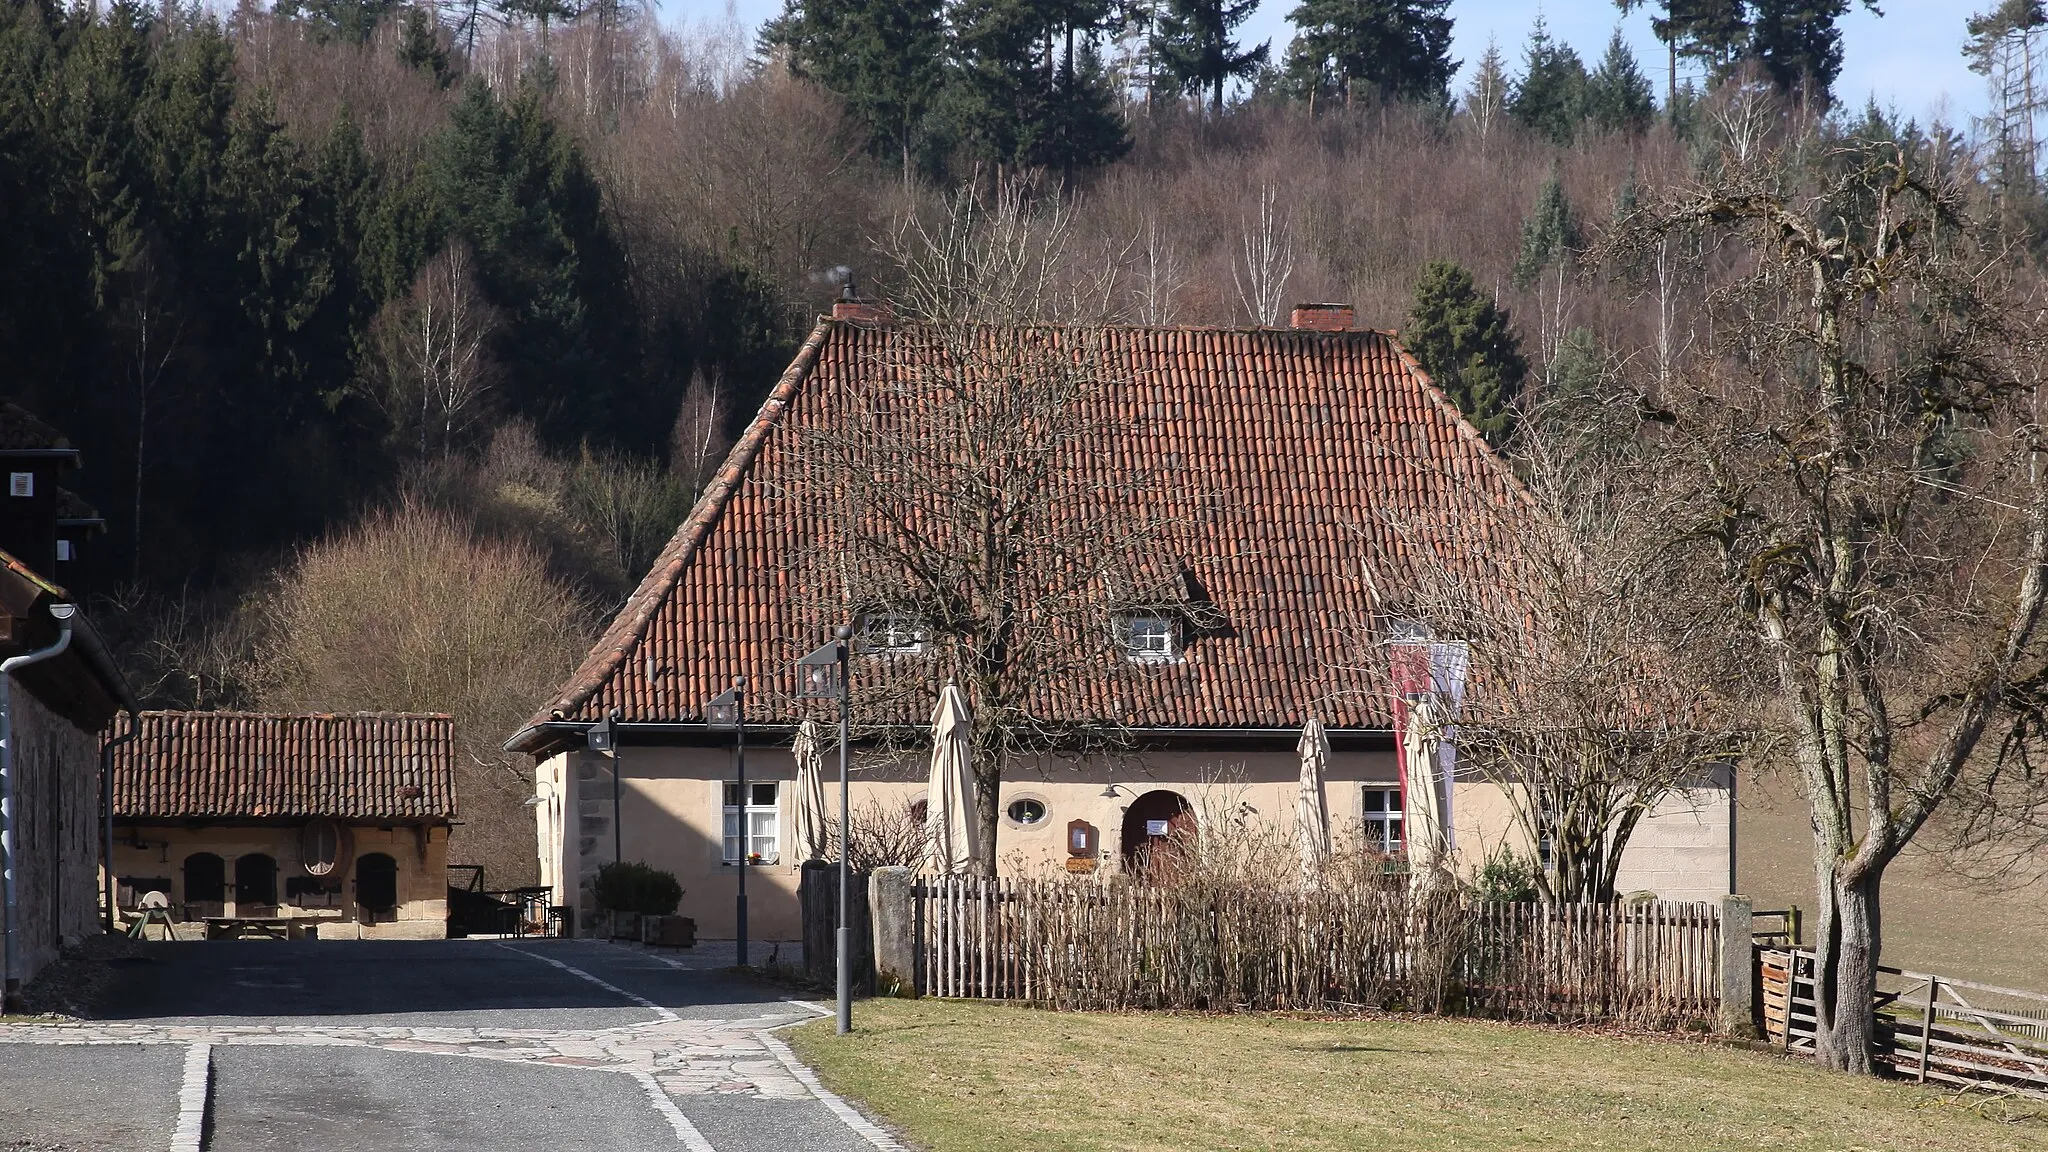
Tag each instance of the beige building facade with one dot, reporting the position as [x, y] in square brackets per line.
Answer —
[674, 814]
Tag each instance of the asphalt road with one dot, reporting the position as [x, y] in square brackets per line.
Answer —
[437, 1046]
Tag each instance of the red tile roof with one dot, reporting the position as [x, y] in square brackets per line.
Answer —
[352, 766]
[1320, 443]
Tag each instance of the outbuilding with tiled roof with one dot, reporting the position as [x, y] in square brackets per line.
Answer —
[332, 823]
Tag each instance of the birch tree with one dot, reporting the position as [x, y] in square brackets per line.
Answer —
[433, 349]
[1856, 448]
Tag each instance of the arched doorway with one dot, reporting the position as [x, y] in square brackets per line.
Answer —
[1150, 825]
[376, 888]
[255, 883]
[206, 885]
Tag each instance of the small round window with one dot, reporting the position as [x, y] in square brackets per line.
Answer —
[1027, 811]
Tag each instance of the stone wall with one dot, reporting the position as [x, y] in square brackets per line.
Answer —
[57, 836]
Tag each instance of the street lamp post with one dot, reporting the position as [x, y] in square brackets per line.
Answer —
[728, 709]
[823, 677]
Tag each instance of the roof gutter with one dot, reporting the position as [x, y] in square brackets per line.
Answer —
[535, 739]
[10, 993]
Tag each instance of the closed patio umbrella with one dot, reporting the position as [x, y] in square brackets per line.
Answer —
[1311, 813]
[951, 832]
[811, 817]
[1422, 815]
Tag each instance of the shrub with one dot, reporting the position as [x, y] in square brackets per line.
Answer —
[629, 886]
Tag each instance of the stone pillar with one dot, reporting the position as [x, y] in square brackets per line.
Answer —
[1738, 968]
[892, 910]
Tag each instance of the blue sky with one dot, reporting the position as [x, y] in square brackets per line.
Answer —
[1910, 59]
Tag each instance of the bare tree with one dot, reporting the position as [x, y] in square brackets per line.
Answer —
[433, 353]
[1856, 448]
[1268, 261]
[699, 441]
[1576, 705]
[1160, 275]
[973, 482]
[412, 611]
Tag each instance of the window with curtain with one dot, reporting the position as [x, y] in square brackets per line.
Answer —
[759, 815]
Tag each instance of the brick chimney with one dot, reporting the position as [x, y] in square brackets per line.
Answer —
[850, 306]
[1323, 317]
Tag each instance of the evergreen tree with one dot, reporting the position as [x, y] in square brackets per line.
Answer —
[1617, 93]
[1466, 345]
[1798, 44]
[1550, 235]
[1398, 49]
[420, 45]
[883, 57]
[1712, 32]
[1550, 96]
[1193, 52]
[505, 180]
[350, 21]
[1028, 86]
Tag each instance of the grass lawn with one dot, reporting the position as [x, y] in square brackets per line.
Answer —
[957, 1076]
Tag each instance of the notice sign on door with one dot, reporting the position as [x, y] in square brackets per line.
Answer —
[1155, 827]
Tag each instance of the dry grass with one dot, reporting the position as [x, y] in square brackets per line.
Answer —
[956, 1076]
[1936, 919]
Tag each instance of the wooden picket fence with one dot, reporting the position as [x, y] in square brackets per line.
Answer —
[1120, 944]
[1931, 1028]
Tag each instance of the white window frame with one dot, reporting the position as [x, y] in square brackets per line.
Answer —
[1160, 646]
[751, 816]
[892, 634]
[1378, 827]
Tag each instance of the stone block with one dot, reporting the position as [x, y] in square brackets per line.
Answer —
[892, 911]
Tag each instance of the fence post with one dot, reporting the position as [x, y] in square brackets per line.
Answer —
[892, 917]
[1737, 1016]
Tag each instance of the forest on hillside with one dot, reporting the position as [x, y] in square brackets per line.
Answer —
[366, 314]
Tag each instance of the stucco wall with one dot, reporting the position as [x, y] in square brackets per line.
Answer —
[56, 797]
[159, 851]
[671, 810]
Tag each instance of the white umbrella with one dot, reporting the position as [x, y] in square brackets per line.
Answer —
[1422, 811]
[951, 832]
[811, 818]
[1311, 814]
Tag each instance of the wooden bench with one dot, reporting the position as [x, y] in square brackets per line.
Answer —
[243, 927]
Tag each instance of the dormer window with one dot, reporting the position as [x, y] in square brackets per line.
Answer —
[1147, 638]
[891, 634]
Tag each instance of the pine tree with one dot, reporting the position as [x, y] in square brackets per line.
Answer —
[1466, 345]
[1193, 51]
[1713, 32]
[883, 57]
[1550, 96]
[1617, 93]
[1798, 44]
[420, 44]
[1028, 87]
[1398, 49]
[1550, 234]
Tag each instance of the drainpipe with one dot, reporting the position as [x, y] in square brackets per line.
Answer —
[10, 998]
[107, 811]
